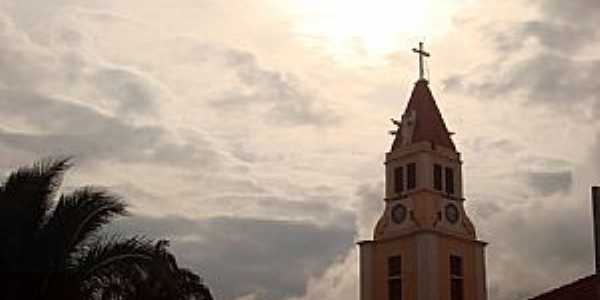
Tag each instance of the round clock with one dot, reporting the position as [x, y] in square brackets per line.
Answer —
[452, 213]
[399, 213]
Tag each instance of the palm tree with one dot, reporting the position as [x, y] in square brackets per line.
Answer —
[50, 246]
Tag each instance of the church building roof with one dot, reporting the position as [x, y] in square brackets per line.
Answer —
[587, 288]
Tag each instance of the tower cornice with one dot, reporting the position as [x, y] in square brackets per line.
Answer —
[418, 231]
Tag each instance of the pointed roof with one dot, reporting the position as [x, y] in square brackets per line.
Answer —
[428, 122]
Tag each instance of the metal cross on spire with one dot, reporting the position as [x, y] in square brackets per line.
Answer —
[421, 53]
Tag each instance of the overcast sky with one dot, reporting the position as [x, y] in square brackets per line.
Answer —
[252, 133]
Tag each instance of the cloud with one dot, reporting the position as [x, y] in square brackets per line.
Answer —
[70, 66]
[546, 78]
[370, 206]
[340, 281]
[484, 208]
[546, 176]
[24, 64]
[60, 126]
[542, 61]
[593, 159]
[554, 28]
[281, 206]
[246, 256]
[549, 183]
[535, 244]
[61, 100]
[551, 247]
[280, 96]
[581, 10]
[596, 151]
[130, 90]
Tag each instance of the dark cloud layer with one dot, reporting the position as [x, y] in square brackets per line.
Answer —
[534, 246]
[240, 256]
[553, 74]
[564, 26]
[549, 183]
[60, 126]
[96, 114]
[548, 79]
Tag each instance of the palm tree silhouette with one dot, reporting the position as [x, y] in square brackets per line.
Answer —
[53, 250]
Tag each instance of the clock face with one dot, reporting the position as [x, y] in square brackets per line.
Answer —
[399, 213]
[452, 213]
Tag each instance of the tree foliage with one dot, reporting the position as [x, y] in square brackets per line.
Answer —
[51, 246]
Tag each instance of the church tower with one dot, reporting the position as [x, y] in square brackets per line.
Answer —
[424, 246]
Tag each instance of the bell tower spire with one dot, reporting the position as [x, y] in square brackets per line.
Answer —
[424, 246]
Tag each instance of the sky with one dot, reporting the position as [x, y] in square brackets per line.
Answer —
[252, 133]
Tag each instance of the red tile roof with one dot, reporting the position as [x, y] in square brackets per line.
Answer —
[587, 288]
[429, 125]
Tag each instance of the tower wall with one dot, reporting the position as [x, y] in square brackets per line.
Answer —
[424, 246]
[425, 266]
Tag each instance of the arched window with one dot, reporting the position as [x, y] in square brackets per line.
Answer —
[395, 278]
[411, 174]
[456, 278]
[399, 179]
[449, 181]
[437, 177]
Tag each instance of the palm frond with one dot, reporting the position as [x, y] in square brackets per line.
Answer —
[25, 198]
[191, 286]
[104, 258]
[178, 283]
[79, 215]
[28, 192]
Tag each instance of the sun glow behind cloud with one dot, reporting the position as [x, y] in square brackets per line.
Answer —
[364, 32]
